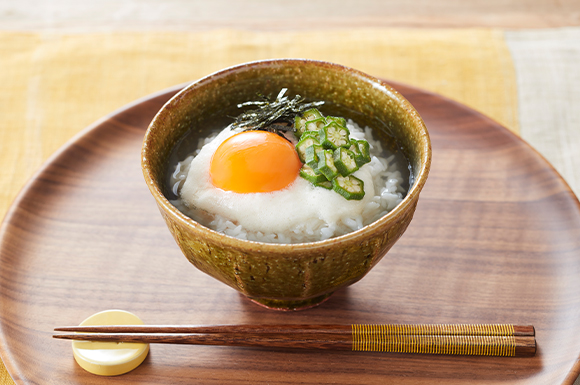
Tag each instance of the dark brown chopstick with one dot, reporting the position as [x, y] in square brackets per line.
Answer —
[256, 329]
[489, 339]
[439, 329]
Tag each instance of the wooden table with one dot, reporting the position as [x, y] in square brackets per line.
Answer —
[181, 15]
[300, 14]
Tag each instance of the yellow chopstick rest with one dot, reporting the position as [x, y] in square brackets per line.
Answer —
[110, 358]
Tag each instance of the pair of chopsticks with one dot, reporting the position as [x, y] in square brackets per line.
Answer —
[462, 339]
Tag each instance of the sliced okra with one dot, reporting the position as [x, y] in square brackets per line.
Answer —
[354, 148]
[344, 160]
[311, 156]
[313, 134]
[364, 149]
[316, 124]
[310, 175]
[299, 125]
[302, 145]
[337, 119]
[312, 114]
[350, 187]
[324, 184]
[326, 164]
[359, 156]
[333, 135]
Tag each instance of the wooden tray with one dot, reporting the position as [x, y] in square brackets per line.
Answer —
[495, 239]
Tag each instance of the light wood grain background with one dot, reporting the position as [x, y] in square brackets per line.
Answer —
[276, 14]
[542, 35]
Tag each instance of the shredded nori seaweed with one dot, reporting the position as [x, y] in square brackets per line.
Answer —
[269, 114]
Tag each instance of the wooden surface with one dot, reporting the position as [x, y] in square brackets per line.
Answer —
[495, 239]
[545, 61]
[299, 14]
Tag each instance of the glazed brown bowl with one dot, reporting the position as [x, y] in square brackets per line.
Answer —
[287, 276]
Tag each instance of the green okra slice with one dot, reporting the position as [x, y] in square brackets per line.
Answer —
[302, 145]
[364, 148]
[299, 126]
[316, 124]
[337, 119]
[333, 135]
[313, 134]
[310, 175]
[350, 187]
[311, 156]
[344, 160]
[359, 156]
[326, 164]
[354, 148]
[312, 114]
[324, 184]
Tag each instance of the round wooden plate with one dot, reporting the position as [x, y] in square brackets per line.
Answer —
[495, 239]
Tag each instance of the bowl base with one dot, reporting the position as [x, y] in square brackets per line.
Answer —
[290, 305]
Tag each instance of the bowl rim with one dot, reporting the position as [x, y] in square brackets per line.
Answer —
[354, 236]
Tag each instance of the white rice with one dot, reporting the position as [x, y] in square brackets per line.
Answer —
[386, 178]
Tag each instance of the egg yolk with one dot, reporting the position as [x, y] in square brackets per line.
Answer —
[254, 161]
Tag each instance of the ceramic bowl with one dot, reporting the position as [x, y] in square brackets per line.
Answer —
[287, 276]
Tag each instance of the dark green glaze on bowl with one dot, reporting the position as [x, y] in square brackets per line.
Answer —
[287, 276]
